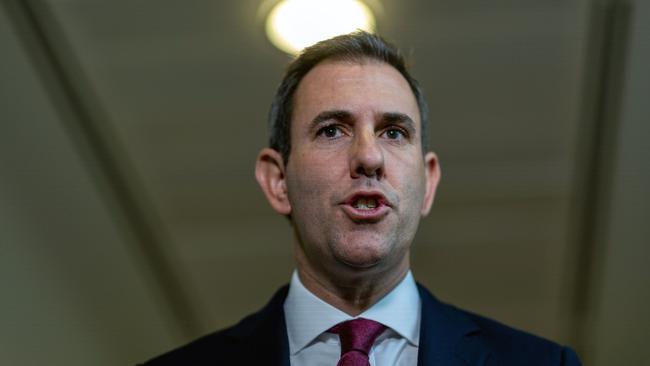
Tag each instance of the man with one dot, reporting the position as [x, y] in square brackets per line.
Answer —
[348, 166]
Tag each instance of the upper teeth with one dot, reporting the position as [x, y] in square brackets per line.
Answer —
[365, 203]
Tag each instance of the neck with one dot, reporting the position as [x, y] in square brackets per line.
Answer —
[352, 291]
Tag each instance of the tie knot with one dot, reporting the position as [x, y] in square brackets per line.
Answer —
[357, 334]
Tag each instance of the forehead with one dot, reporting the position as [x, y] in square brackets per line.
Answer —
[355, 86]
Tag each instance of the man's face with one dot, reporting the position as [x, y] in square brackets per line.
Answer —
[357, 181]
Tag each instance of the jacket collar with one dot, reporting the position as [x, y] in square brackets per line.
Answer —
[447, 335]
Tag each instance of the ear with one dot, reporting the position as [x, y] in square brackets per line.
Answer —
[269, 171]
[432, 177]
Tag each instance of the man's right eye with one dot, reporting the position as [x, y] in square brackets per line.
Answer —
[330, 132]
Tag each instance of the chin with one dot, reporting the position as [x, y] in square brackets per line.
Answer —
[362, 256]
[360, 263]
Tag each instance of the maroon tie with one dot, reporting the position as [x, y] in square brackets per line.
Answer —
[357, 337]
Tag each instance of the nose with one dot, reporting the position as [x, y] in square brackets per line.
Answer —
[366, 157]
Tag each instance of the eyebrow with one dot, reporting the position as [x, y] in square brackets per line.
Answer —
[337, 115]
[398, 118]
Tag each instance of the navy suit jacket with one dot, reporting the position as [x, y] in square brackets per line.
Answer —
[448, 336]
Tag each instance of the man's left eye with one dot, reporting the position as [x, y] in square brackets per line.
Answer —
[394, 134]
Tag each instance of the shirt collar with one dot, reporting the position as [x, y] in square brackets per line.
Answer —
[308, 316]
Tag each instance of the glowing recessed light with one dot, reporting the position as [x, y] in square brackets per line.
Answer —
[295, 24]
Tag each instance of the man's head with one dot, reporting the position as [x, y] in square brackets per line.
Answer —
[356, 47]
[357, 181]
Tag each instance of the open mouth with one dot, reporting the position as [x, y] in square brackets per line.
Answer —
[366, 206]
[365, 203]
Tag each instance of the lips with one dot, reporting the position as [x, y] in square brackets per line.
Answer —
[366, 206]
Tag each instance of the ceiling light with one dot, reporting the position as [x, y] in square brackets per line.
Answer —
[295, 24]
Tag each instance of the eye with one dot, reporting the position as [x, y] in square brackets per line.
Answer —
[330, 132]
[394, 133]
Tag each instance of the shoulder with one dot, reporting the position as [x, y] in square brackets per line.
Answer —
[474, 337]
[516, 347]
[215, 348]
[261, 335]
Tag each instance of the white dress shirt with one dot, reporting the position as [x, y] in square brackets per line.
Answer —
[308, 318]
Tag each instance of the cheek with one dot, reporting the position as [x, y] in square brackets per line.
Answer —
[307, 190]
[412, 185]
[311, 174]
[303, 187]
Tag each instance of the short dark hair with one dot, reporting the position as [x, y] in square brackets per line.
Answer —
[355, 47]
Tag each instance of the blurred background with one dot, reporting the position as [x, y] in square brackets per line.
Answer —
[131, 222]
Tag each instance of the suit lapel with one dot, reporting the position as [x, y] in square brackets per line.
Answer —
[448, 336]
